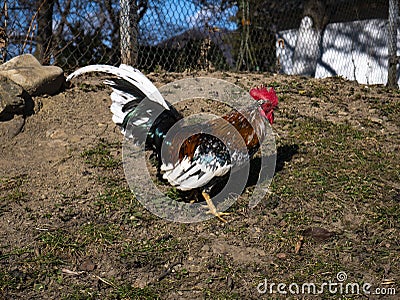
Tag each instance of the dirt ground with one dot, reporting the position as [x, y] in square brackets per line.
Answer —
[71, 229]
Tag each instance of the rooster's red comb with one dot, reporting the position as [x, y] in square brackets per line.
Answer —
[262, 93]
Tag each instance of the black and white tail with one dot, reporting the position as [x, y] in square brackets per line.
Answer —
[129, 87]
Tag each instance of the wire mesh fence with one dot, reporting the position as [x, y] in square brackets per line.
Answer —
[355, 39]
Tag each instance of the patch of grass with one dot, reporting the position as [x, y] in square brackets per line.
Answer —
[61, 245]
[14, 252]
[113, 198]
[11, 191]
[81, 292]
[174, 194]
[100, 155]
[8, 282]
[118, 198]
[318, 91]
[123, 291]
[180, 274]
[389, 109]
[296, 218]
[100, 233]
[387, 215]
[29, 269]
[151, 251]
[129, 292]
[218, 294]
[163, 244]
[13, 278]
[11, 183]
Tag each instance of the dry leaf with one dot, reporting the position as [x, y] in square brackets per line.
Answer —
[298, 245]
[281, 255]
[318, 233]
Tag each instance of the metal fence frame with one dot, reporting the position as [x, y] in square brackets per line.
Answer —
[196, 44]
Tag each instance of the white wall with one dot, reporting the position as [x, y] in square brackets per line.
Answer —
[355, 50]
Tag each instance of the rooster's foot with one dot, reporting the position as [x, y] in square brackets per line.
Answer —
[213, 209]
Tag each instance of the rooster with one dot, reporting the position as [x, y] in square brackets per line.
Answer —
[199, 161]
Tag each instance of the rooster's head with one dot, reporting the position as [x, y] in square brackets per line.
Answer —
[267, 99]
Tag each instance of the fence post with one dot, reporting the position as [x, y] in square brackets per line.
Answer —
[128, 32]
[392, 43]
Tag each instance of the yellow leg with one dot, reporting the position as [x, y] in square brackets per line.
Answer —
[213, 209]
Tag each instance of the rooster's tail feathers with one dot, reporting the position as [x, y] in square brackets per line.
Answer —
[129, 88]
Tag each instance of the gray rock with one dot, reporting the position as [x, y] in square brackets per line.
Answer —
[36, 79]
[11, 128]
[13, 98]
[15, 104]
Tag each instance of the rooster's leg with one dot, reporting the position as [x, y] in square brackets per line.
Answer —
[213, 209]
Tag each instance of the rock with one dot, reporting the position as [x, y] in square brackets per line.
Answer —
[13, 99]
[11, 128]
[281, 255]
[87, 265]
[36, 79]
[376, 120]
[15, 104]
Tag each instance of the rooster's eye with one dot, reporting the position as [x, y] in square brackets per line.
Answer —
[263, 101]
